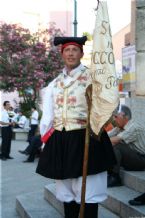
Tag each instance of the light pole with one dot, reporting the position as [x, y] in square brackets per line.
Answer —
[75, 18]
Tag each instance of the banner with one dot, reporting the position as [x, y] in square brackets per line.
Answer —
[105, 95]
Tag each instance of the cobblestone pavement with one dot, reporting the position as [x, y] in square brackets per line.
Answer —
[17, 178]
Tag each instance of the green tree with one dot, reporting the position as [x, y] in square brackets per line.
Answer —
[27, 61]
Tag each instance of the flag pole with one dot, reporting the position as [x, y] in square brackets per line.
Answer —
[86, 152]
[86, 148]
[85, 167]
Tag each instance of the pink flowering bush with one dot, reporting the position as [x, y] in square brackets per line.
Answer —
[27, 61]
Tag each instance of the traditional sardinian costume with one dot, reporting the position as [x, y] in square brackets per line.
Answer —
[65, 109]
[62, 156]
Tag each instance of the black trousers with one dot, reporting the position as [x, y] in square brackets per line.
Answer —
[32, 149]
[6, 141]
[32, 132]
[71, 210]
[128, 158]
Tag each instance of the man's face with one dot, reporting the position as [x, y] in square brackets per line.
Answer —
[120, 120]
[71, 56]
[20, 113]
[7, 106]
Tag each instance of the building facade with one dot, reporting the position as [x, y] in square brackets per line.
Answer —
[132, 36]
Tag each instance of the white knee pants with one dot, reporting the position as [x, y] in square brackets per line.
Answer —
[70, 189]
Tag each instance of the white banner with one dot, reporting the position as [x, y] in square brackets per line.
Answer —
[105, 95]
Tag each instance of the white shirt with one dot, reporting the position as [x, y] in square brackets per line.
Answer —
[134, 135]
[34, 118]
[5, 117]
[22, 121]
[15, 118]
[48, 109]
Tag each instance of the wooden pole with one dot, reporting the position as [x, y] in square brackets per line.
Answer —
[86, 153]
[85, 167]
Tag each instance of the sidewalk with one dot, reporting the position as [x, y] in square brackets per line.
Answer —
[18, 178]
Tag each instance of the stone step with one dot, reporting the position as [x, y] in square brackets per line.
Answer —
[134, 180]
[33, 205]
[116, 205]
[117, 202]
[49, 195]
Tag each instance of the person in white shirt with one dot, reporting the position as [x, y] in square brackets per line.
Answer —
[6, 125]
[34, 121]
[128, 140]
[21, 122]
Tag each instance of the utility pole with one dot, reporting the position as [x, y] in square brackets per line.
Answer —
[75, 18]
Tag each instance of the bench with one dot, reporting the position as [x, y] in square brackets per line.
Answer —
[20, 134]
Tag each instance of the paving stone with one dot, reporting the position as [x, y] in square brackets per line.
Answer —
[17, 178]
[33, 205]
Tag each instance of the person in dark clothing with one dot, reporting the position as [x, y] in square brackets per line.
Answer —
[138, 201]
[28, 149]
[33, 149]
[34, 121]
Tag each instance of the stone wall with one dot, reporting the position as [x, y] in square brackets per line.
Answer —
[137, 100]
[137, 106]
[140, 47]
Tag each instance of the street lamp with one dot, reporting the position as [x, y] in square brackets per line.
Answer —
[75, 18]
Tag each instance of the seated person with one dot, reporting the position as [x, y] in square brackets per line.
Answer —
[138, 201]
[129, 145]
[20, 120]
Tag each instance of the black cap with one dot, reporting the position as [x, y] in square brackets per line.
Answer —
[64, 40]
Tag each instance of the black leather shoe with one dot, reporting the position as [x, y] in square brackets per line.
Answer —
[9, 157]
[113, 180]
[138, 201]
[28, 161]
[23, 152]
[3, 158]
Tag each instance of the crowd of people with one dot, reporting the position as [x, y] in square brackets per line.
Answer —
[9, 120]
[62, 155]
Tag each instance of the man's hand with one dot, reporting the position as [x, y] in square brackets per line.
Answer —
[12, 124]
[115, 140]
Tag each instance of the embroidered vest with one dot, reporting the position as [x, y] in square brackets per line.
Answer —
[70, 106]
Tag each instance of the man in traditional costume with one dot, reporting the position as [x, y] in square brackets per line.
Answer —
[65, 110]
